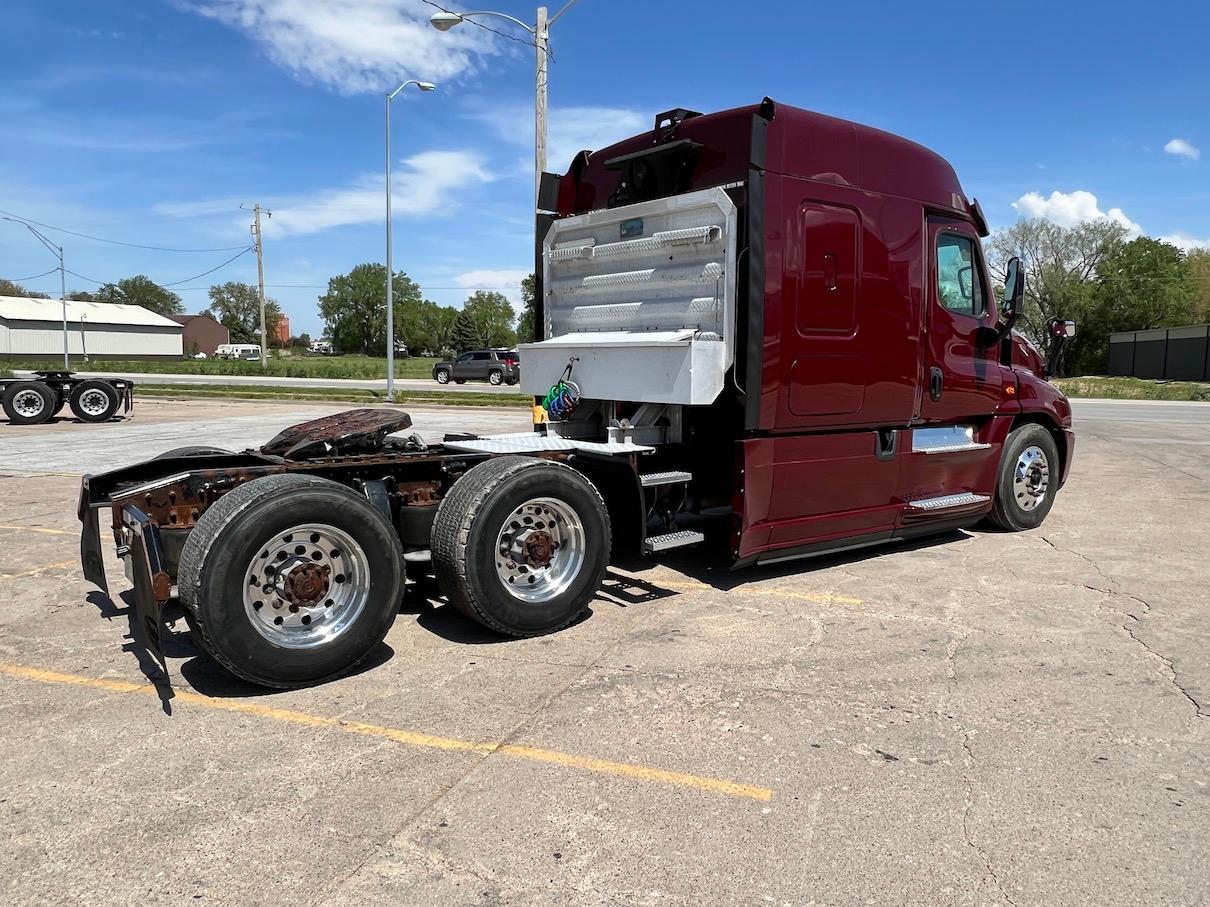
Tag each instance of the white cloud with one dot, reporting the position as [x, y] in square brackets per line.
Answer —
[425, 184]
[1182, 148]
[354, 46]
[1067, 209]
[1185, 241]
[572, 130]
[506, 281]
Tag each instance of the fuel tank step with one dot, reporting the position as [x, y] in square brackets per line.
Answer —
[652, 479]
[682, 538]
[947, 502]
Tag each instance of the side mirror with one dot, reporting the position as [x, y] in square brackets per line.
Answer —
[1062, 330]
[966, 284]
[1013, 304]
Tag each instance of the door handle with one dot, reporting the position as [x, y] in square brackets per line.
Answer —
[935, 383]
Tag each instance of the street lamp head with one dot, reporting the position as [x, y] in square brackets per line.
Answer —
[426, 86]
[444, 21]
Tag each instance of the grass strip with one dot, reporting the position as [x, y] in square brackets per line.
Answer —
[325, 394]
[282, 367]
[1133, 389]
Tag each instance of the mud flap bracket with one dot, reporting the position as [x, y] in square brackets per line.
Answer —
[152, 584]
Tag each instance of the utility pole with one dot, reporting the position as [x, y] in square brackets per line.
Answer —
[57, 251]
[542, 52]
[260, 284]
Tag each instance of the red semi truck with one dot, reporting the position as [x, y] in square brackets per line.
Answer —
[765, 316]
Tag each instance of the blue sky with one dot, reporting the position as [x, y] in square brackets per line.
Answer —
[151, 122]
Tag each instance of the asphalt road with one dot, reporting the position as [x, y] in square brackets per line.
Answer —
[1017, 718]
[1179, 412]
[413, 384]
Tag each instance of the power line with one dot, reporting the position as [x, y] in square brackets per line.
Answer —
[113, 242]
[35, 277]
[481, 25]
[246, 250]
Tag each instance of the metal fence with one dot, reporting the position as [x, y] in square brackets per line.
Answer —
[1177, 354]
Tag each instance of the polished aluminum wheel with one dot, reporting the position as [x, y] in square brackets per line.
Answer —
[28, 404]
[1031, 478]
[93, 402]
[306, 586]
[540, 549]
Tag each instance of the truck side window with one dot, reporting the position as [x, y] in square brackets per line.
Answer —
[959, 284]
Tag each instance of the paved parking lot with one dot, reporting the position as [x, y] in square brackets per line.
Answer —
[983, 718]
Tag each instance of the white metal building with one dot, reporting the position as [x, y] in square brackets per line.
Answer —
[33, 329]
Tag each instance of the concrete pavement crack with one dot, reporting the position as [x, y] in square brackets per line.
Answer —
[968, 780]
[1132, 625]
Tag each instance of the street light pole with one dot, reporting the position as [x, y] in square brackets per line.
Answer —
[58, 252]
[423, 86]
[542, 53]
[540, 32]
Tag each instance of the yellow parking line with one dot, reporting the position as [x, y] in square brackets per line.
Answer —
[821, 598]
[41, 529]
[37, 570]
[409, 738]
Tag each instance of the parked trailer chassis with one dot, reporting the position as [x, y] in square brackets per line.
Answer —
[32, 401]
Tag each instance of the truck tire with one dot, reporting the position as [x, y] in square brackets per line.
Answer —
[200, 451]
[442, 375]
[93, 401]
[1028, 479]
[496, 377]
[28, 402]
[291, 580]
[553, 523]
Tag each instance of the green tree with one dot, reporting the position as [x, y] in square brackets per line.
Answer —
[8, 288]
[237, 307]
[1139, 285]
[1060, 264]
[142, 291]
[354, 312]
[436, 327]
[1198, 262]
[525, 325]
[81, 296]
[464, 336]
[491, 318]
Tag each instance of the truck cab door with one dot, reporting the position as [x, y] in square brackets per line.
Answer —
[962, 377]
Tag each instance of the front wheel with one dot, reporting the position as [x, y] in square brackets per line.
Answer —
[1027, 480]
[442, 376]
[291, 580]
[521, 545]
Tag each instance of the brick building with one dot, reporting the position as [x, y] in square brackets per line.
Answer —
[281, 331]
[201, 333]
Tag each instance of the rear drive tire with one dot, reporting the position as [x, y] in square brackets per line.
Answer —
[1027, 480]
[442, 375]
[291, 580]
[93, 401]
[521, 544]
[200, 451]
[28, 402]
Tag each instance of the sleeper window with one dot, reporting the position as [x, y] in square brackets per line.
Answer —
[959, 284]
